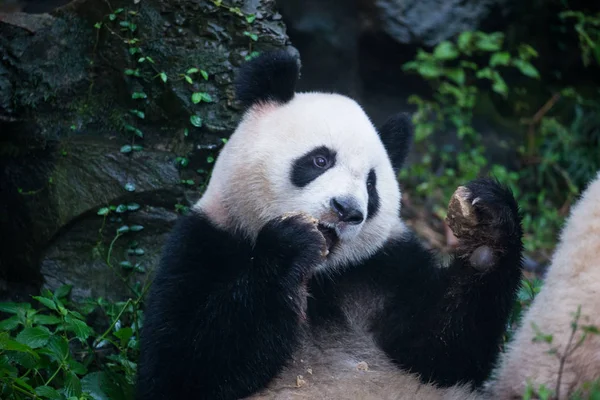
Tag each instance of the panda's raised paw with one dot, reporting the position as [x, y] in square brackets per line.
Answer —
[484, 216]
[296, 235]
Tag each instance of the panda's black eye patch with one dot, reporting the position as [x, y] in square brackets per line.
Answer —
[373, 204]
[311, 165]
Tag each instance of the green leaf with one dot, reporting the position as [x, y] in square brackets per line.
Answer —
[133, 206]
[10, 323]
[464, 40]
[76, 367]
[121, 208]
[27, 360]
[196, 98]
[204, 74]
[445, 51]
[137, 252]
[34, 337]
[489, 42]
[188, 79]
[78, 327]
[201, 96]
[72, 385]
[124, 335]
[126, 149]
[23, 383]
[499, 85]
[196, 121]
[137, 147]
[139, 95]
[13, 308]
[136, 228]
[103, 211]
[6, 343]
[485, 73]
[502, 58]
[58, 348]
[138, 113]
[526, 68]
[93, 384]
[250, 18]
[138, 268]
[163, 77]
[47, 302]
[63, 291]
[40, 319]
[48, 393]
[457, 75]
[123, 229]
[191, 71]
[130, 187]
[107, 385]
[429, 70]
[591, 329]
[126, 264]
[252, 36]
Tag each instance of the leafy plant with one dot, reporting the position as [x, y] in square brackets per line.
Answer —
[456, 71]
[53, 352]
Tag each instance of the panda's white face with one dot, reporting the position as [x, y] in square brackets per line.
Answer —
[318, 154]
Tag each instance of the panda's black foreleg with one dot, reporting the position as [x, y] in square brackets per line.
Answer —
[446, 324]
[223, 316]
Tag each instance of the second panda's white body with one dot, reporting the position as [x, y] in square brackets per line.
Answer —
[572, 282]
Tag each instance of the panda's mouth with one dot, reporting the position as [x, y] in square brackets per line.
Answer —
[330, 235]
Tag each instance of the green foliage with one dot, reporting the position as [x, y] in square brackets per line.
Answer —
[456, 71]
[51, 351]
[588, 31]
[558, 154]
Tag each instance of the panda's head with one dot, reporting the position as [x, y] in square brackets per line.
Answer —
[315, 153]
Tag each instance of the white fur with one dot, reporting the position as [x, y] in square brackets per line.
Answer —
[573, 280]
[251, 182]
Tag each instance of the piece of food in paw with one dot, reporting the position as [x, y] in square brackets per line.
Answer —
[330, 235]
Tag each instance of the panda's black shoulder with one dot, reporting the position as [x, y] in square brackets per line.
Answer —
[270, 77]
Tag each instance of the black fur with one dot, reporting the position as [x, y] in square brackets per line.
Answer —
[373, 204]
[453, 319]
[224, 317]
[304, 169]
[397, 136]
[270, 77]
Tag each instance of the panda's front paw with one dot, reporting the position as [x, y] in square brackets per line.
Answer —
[293, 239]
[484, 216]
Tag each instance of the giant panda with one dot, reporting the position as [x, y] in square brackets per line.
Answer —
[571, 293]
[295, 277]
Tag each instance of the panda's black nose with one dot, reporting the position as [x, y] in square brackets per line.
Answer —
[347, 209]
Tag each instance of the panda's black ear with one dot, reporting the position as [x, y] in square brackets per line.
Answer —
[397, 136]
[270, 77]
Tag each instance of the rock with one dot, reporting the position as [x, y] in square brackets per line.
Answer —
[428, 22]
[96, 110]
